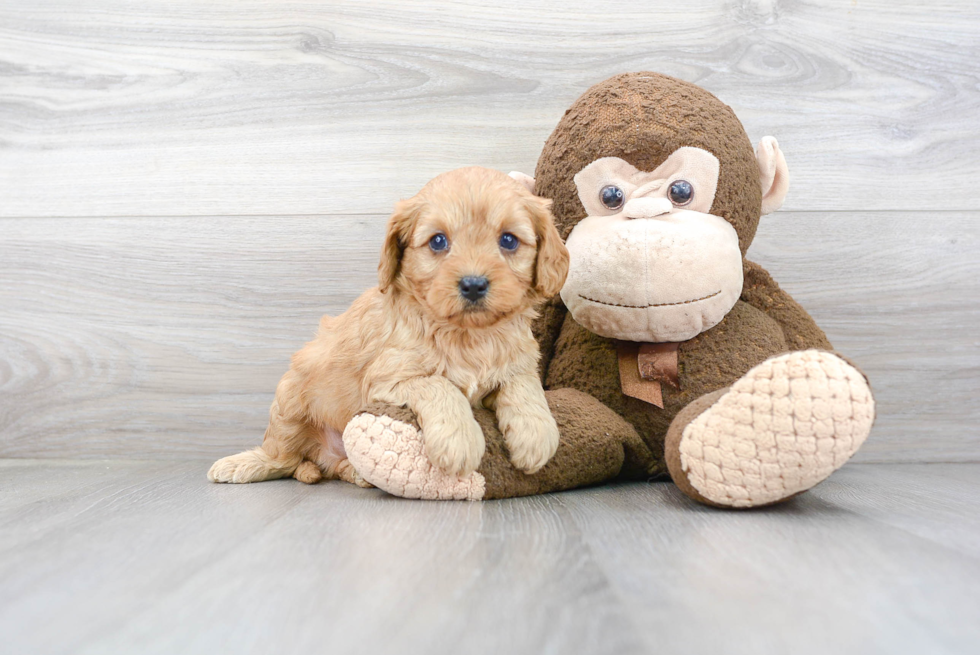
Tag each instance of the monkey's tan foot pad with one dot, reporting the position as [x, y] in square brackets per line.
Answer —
[389, 454]
[782, 428]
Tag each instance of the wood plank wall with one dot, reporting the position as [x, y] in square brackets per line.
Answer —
[185, 187]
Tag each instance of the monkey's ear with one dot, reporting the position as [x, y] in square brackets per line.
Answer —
[526, 180]
[400, 227]
[551, 266]
[773, 174]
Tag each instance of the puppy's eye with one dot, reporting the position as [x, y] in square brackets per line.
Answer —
[612, 197]
[439, 242]
[681, 192]
[509, 242]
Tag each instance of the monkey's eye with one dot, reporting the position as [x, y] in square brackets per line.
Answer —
[509, 242]
[612, 197]
[681, 192]
[439, 242]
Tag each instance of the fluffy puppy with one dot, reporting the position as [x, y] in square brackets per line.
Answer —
[464, 264]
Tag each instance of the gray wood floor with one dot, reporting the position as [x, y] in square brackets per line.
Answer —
[186, 187]
[147, 557]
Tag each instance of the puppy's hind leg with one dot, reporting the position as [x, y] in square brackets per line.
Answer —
[308, 473]
[287, 439]
[253, 466]
[331, 461]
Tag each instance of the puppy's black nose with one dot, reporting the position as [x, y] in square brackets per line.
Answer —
[473, 288]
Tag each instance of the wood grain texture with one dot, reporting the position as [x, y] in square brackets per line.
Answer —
[900, 296]
[111, 108]
[836, 571]
[165, 337]
[125, 557]
[186, 187]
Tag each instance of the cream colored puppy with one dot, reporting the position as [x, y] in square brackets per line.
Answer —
[464, 264]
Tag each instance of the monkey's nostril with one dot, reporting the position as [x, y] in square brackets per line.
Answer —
[473, 288]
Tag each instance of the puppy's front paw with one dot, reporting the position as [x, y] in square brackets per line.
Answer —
[456, 447]
[532, 440]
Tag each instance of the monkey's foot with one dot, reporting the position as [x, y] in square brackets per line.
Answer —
[785, 426]
[389, 454]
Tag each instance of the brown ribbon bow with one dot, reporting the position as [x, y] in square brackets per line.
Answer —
[644, 367]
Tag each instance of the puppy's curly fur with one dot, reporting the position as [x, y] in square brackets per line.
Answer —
[415, 339]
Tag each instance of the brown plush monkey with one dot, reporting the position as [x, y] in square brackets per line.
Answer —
[667, 350]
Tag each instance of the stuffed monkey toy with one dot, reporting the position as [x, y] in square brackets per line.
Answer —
[667, 351]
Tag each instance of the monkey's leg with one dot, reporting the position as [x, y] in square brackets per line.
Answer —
[384, 444]
[782, 428]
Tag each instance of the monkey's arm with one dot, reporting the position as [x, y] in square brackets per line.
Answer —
[762, 292]
[385, 446]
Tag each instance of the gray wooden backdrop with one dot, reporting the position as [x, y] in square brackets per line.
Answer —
[186, 186]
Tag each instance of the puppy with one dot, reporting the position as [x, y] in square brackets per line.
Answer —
[464, 265]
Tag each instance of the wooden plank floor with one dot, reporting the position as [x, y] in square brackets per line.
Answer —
[171, 107]
[186, 188]
[126, 557]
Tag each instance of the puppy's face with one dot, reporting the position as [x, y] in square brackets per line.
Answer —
[474, 247]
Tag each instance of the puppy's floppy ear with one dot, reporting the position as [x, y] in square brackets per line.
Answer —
[400, 227]
[551, 267]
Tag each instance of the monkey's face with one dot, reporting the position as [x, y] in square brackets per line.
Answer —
[649, 263]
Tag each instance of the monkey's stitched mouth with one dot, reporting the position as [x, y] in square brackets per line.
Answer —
[663, 304]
